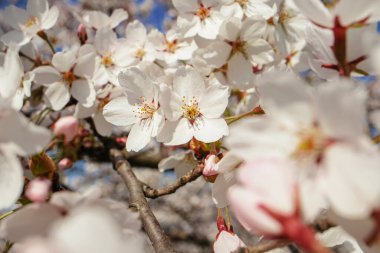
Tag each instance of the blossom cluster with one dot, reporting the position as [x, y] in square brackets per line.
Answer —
[265, 94]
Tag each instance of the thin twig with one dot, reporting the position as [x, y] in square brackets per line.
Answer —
[189, 177]
[159, 239]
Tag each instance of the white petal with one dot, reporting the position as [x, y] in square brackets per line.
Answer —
[120, 112]
[15, 38]
[171, 103]
[89, 230]
[46, 75]
[136, 33]
[140, 135]
[316, 11]
[189, 83]
[85, 65]
[96, 19]
[57, 95]
[352, 179]
[83, 90]
[31, 220]
[209, 130]
[103, 127]
[18, 131]
[214, 101]
[230, 29]
[50, 19]
[260, 52]
[176, 132]
[137, 85]
[11, 180]
[220, 188]
[117, 16]
[186, 6]
[239, 71]
[285, 96]
[82, 112]
[11, 74]
[342, 109]
[37, 8]
[64, 61]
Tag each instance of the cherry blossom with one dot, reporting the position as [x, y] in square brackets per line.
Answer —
[187, 108]
[69, 76]
[27, 23]
[99, 20]
[138, 108]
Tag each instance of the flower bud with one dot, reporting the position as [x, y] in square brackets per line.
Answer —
[64, 163]
[38, 190]
[66, 126]
[82, 34]
[211, 167]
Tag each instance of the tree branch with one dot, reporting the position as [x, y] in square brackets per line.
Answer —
[189, 177]
[159, 240]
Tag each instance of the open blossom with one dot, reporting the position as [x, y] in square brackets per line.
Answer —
[199, 17]
[17, 137]
[326, 138]
[240, 48]
[172, 47]
[252, 8]
[139, 109]
[69, 76]
[27, 23]
[192, 109]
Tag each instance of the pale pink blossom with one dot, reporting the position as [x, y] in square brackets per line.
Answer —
[38, 190]
[66, 126]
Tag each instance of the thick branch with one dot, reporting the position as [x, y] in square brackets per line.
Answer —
[159, 240]
[189, 177]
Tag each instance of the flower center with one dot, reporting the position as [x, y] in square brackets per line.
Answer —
[140, 53]
[242, 2]
[190, 109]
[312, 143]
[107, 60]
[171, 46]
[69, 77]
[31, 22]
[145, 109]
[203, 12]
[238, 46]
[285, 15]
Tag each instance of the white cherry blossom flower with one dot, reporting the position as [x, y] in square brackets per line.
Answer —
[199, 17]
[182, 162]
[192, 109]
[27, 23]
[139, 108]
[322, 134]
[69, 76]
[172, 47]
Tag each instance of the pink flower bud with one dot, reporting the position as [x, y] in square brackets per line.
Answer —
[66, 126]
[227, 242]
[211, 167]
[38, 190]
[65, 163]
[82, 34]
